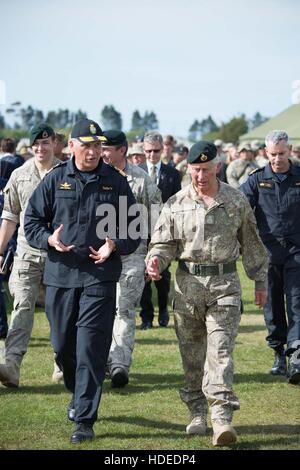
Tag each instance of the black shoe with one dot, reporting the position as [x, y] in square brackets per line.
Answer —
[119, 378]
[83, 432]
[293, 372]
[163, 318]
[71, 410]
[145, 325]
[279, 366]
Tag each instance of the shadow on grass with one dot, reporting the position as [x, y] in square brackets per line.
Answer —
[39, 342]
[53, 389]
[257, 377]
[156, 341]
[147, 383]
[145, 423]
[289, 434]
[251, 328]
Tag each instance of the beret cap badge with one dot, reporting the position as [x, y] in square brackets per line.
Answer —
[93, 129]
[203, 157]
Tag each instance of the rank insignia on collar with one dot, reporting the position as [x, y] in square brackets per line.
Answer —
[65, 185]
[203, 157]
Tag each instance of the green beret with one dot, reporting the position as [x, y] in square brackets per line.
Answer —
[202, 152]
[40, 131]
[114, 138]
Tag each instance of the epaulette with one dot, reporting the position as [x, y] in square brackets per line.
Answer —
[121, 172]
[57, 166]
[255, 170]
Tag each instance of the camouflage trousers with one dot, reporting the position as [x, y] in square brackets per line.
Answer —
[129, 292]
[207, 316]
[24, 285]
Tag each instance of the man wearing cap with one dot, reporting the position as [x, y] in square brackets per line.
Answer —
[238, 170]
[180, 162]
[135, 154]
[132, 279]
[274, 194]
[74, 214]
[28, 266]
[204, 226]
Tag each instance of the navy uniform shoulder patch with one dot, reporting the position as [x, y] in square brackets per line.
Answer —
[255, 170]
[57, 166]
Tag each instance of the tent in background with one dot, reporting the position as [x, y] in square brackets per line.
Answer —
[288, 120]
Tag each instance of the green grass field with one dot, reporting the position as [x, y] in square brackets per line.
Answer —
[148, 413]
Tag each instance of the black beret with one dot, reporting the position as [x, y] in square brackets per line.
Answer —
[114, 138]
[202, 152]
[40, 131]
[86, 131]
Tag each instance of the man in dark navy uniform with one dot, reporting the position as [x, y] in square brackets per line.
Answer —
[74, 214]
[274, 194]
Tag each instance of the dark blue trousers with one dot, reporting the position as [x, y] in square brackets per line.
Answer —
[282, 311]
[163, 289]
[3, 315]
[81, 321]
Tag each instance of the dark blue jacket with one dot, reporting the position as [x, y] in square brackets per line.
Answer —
[62, 198]
[276, 207]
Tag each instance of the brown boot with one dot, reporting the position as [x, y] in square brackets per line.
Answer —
[224, 434]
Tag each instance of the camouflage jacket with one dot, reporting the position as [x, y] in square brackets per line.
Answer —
[17, 193]
[188, 230]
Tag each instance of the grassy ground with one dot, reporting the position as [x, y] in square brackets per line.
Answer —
[148, 413]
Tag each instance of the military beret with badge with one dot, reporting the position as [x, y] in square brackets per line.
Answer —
[40, 131]
[202, 152]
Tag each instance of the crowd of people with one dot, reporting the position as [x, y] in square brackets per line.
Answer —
[65, 219]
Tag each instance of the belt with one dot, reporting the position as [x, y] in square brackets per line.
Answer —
[207, 269]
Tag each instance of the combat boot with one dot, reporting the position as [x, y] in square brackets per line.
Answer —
[198, 425]
[57, 375]
[279, 366]
[119, 377]
[224, 434]
[10, 374]
[293, 371]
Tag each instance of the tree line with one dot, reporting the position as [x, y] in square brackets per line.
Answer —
[25, 117]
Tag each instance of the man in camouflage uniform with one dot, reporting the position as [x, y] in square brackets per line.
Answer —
[28, 267]
[205, 226]
[238, 170]
[132, 279]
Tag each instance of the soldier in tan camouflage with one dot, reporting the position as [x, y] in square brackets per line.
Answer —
[205, 226]
[132, 279]
[28, 266]
[238, 170]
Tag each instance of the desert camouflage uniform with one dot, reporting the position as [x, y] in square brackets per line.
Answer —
[182, 167]
[132, 279]
[238, 171]
[207, 308]
[28, 266]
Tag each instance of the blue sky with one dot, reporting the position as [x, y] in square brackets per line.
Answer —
[182, 59]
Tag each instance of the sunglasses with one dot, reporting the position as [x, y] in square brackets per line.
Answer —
[153, 150]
